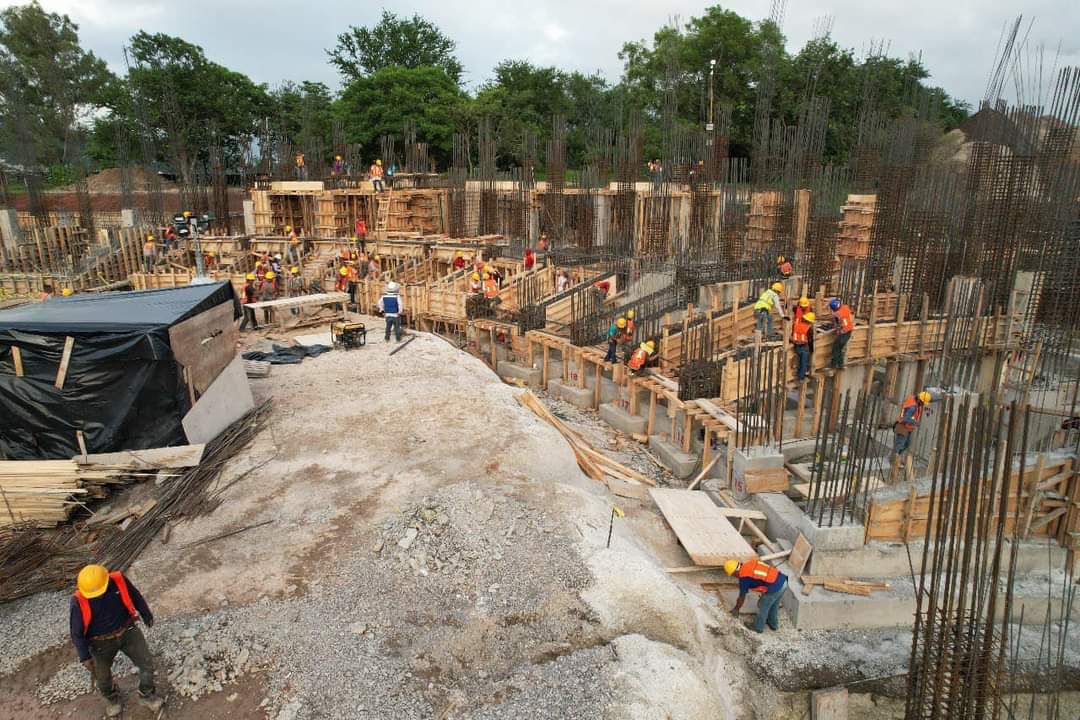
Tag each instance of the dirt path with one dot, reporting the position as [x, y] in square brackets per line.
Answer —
[431, 550]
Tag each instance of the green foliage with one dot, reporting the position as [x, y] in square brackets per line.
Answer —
[48, 86]
[303, 113]
[394, 41]
[176, 90]
[59, 175]
[382, 103]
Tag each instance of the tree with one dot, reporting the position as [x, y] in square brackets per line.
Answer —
[189, 101]
[303, 113]
[381, 104]
[402, 42]
[49, 85]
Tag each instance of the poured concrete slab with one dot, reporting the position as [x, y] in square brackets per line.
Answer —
[579, 397]
[512, 371]
[681, 464]
[621, 419]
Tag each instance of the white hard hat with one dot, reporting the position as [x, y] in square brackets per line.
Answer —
[392, 287]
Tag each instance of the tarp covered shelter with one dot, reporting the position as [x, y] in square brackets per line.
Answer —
[123, 385]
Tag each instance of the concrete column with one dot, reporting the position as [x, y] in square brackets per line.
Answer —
[249, 217]
[10, 232]
[603, 218]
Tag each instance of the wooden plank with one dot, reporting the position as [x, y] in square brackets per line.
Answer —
[205, 344]
[742, 513]
[800, 553]
[622, 488]
[708, 537]
[16, 356]
[65, 359]
[181, 456]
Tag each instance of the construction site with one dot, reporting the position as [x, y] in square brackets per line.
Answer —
[611, 381]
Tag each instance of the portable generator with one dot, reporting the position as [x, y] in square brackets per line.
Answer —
[348, 335]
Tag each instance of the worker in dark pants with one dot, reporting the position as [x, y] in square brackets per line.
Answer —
[802, 334]
[844, 323]
[756, 576]
[104, 611]
[391, 306]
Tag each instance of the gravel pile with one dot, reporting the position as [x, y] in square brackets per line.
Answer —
[30, 625]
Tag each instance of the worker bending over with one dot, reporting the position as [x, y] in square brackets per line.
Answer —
[768, 301]
[756, 576]
[802, 334]
[391, 306]
[910, 415]
[641, 356]
[104, 610]
[783, 267]
[843, 324]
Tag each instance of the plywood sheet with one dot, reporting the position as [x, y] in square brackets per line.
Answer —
[205, 344]
[706, 534]
[228, 398]
[181, 456]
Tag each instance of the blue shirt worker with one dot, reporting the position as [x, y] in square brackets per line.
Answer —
[391, 306]
[756, 576]
[910, 415]
[104, 611]
[614, 334]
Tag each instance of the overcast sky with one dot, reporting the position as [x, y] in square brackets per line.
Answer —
[275, 40]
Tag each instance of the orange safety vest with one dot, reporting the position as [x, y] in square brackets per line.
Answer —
[376, 171]
[800, 332]
[757, 570]
[847, 322]
[637, 360]
[911, 401]
[491, 288]
[125, 597]
[785, 268]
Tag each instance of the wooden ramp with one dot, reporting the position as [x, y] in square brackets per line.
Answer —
[704, 531]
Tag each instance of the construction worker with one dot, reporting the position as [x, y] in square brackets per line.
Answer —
[268, 289]
[843, 324]
[338, 166]
[530, 259]
[603, 287]
[801, 307]
[783, 267]
[476, 286]
[766, 303]
[249, 297]
[458, 262]
[614, 335]
[376, 173]
[562, 282]
[756, 576]
[342, 283]
[391, 306]
[491, 286]
[294, 284]
[629, 332]
[801, 333]
[67, 292]
[542, 243]
[352, 278]
[301, 166]
[294, 244]
[910, 415]
[103, 615]
[641, 356]
[149, 251]
[361, 234]
[373, 266]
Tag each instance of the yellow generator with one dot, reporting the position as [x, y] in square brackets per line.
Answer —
[348, 335]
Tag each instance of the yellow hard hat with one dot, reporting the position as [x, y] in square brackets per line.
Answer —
[809, 317]
[621, 322]
[149, 237]
[344, 271]
[804, 302]
[187, 213]
[294, 270]
[250, 276]
[924, 397]
[630, 314]
[487, 276]
[459, 254]
[211, 253]
[476, 276]
[288, 228]
[337, 157]
[778, 287]
[730, 566]
[67, 292]
[269, 275]
[378, 162]
[649, 345]
[93, 581]
[779, 259]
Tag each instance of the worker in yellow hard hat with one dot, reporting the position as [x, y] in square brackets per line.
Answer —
[149, 251]
[641, 356]
[801, 307]
[476, 285]
[103, 614]
[614, 336]
[67, 292]
[491, 286]
[376, 173]
[767, 301]
[910, 415]
[802, 337]
[756, 576]
[783, 267]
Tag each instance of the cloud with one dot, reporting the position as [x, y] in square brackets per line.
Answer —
[273, 40]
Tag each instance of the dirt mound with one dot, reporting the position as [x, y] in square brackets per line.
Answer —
[110, 180]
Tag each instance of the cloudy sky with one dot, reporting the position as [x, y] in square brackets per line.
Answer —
[275, 40]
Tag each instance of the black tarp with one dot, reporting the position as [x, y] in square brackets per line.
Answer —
[123, 388]
[282, 355]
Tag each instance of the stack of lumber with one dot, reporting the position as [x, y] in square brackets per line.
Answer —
[42, 492]
[841, 585]
[592, 462]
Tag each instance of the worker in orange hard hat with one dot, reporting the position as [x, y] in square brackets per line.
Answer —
[910, 415]
[103, 615]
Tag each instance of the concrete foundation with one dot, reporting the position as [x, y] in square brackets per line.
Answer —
[681, 464]
[755, 458]
[578, 397]
[784, 516]
[620, 419]
[512, 372]
[840, 537]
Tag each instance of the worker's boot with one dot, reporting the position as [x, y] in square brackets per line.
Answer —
[154, 702]
[113, 708]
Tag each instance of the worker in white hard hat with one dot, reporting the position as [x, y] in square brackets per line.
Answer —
[391, 306]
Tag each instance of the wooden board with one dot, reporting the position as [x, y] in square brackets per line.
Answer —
[65, 360]
[228, 398]
[181, 456]
[763, 481]
[205, 344]
[800, 553]
[708, 537]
